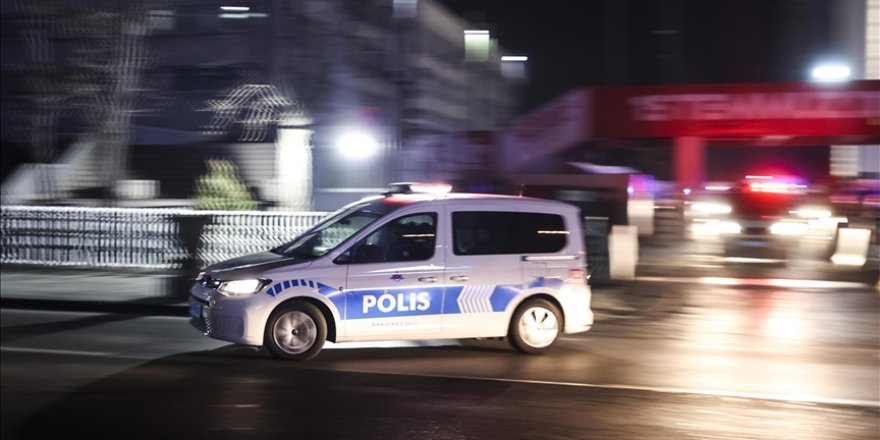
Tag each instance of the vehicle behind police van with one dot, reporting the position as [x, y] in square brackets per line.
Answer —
[407, 265]
[766, 219]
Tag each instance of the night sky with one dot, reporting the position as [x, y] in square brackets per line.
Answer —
[624, 42]
[561, 39]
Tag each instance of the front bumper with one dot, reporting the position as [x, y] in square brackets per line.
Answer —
[576, 300]
[759, 246]
[221, 318]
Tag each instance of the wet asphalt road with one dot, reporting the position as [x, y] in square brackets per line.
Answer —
[667, 359]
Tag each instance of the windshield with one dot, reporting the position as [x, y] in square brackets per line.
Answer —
[758, 205]
[330, 233]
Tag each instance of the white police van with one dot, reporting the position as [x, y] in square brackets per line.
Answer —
[415, 263]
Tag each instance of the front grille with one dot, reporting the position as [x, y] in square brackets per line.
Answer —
[197, 319]
[755, 231]
[209, 282]
[200, 324]
[221, 326]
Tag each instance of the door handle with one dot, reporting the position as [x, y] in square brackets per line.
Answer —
[459, 278]
[427, 279]
[549, 257]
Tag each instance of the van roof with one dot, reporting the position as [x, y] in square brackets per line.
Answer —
[409, 199]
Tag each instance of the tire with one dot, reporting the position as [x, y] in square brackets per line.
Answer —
[295, 331]
[535, 326]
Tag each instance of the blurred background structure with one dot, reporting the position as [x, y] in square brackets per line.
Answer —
[725, 155]
[320, 102]
[624, 108]
[315, 101]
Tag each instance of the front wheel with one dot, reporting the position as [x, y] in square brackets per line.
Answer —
[535, 326]
[296, 331]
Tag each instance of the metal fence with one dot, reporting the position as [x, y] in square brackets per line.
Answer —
[139, 238]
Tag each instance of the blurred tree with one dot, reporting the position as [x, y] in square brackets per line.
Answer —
[222, 189]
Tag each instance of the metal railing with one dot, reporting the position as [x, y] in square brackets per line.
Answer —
[235, 233]
[137, 237]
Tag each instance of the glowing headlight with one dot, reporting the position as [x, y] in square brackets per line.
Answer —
[815, 212]
[711, 208]
[715, 227]
[241, 287]
[789, 228]
[727, 227]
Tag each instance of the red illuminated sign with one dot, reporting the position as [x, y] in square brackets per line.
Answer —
[747, 106]
[738, 110]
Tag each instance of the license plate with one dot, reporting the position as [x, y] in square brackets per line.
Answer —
[754, 243]
[195, 309]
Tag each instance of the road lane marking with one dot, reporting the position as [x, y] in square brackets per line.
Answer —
[788, 283]
[664, 390]
[7, 349]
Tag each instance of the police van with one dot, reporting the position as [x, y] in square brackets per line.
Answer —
[417, 262]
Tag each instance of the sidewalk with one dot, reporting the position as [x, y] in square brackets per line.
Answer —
[82, 289]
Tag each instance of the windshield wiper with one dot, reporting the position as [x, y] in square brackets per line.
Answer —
[297, 253]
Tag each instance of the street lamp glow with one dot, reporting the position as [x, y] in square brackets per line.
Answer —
[357, 145]
[831, 72]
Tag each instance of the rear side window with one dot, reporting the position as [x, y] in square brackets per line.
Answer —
[492, 232]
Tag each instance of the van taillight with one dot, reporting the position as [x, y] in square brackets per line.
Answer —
[576, 274]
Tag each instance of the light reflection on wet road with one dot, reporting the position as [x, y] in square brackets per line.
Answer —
[665, 360]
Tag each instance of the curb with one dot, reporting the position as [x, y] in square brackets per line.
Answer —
[139, 307]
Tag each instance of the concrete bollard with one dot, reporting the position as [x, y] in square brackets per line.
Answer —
[852, 247]
[623, 252]
[640, 213]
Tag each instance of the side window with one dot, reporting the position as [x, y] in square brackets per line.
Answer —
[409, 238]
[486, 233]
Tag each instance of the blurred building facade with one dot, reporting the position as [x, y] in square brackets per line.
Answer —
[271, 85]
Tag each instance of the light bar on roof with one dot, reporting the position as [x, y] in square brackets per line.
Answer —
[775, 187]
[431, 188]
[437, 189]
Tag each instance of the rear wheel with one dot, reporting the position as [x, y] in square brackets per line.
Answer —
[296, 331]
[535, 326]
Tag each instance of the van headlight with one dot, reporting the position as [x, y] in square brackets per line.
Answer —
[242, 287]
[789, 228]
[713, 228]
[727, 227]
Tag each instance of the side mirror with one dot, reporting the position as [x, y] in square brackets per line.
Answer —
[366, 253]
[345, 258]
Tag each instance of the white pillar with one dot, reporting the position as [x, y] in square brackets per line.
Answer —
[293, 167]
[623, 252]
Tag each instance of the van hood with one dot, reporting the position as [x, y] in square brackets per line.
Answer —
[252, 266]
